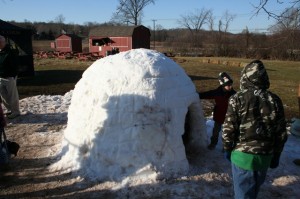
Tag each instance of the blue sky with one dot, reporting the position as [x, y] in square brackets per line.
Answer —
[165, 12]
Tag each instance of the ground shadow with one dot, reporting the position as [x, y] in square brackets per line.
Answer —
[32, 118]
[50, 77]
[167, 188]
[38, 175]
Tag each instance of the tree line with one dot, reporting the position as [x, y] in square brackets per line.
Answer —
[282, 43]
[200, 34]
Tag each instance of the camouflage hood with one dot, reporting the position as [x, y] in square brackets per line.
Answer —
[254, 75]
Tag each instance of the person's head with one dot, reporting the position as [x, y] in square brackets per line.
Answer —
[2, 42]
[225, 81]
[254, 75]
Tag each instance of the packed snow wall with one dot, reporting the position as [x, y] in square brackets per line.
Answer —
[127, 118]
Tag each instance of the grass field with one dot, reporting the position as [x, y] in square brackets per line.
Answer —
[58, 76]
[284, 78]
[52, 77]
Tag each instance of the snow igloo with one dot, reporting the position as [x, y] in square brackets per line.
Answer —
[128, 116]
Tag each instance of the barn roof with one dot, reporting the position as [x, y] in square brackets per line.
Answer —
[73, 36]
[113, 31]
[8, 26]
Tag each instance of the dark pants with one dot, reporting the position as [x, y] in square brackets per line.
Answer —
[215, 133]
[246, 183]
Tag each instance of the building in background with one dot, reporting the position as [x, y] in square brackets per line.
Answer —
[107, 40]
[67, 43]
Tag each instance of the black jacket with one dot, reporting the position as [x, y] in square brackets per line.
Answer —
[8, 62]
[221, 98]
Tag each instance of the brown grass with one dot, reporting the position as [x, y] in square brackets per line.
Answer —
[58, 76]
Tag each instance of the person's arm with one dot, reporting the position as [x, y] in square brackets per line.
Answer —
[280, 133]
[208, 94]
[230, 126]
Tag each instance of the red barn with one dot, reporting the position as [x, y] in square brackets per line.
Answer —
[68, 43]
[106, 40]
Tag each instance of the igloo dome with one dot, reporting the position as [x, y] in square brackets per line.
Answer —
[127, 118]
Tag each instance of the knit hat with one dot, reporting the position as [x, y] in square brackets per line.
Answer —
[255, 75]
[225, 79]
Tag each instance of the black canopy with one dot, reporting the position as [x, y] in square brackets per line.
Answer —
[22, 39]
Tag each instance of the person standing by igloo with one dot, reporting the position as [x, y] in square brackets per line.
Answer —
[221, 96]
[8, 79]
[254, 131]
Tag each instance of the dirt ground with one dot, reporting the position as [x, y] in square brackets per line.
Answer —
[28, 176]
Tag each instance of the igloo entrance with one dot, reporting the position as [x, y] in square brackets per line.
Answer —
[127, 117]
[192, 128]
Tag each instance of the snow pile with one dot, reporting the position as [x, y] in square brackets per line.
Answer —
[127, 117]
[41, 104]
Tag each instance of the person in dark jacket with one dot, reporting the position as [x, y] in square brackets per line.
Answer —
[221, 96]
[254, 131]
[8, 79]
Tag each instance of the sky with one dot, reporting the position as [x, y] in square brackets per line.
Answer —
[164, 12]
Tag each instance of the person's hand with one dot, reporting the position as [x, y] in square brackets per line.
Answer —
[275, 161]
[227, 155]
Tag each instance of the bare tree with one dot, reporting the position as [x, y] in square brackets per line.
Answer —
[246, 35]
[161, 33]
[221, 40]
[262, 6]
[290, 20]
[211, 22]
[130, 11]
[60, 19]
[288, 30]
[194, 22]
[227, 18]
